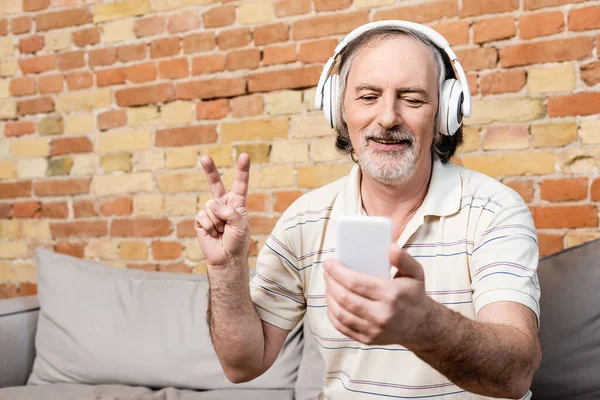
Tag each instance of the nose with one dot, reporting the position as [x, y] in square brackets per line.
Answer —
[389, 114]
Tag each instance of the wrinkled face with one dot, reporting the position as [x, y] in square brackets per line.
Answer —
[390, 107]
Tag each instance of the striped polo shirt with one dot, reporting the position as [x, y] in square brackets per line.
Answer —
[474, 237]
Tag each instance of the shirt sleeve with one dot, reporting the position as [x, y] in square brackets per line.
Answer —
[277, 289]
[505, 259]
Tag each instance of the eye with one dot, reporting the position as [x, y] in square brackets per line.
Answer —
[369, 98]
[413, 102]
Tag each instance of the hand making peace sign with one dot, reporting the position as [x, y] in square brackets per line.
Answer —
[223, 227]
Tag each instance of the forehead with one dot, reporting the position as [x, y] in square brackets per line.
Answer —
[398, 60]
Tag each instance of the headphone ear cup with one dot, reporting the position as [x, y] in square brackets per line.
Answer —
[335, 98]
[327, 101]
[451, 107]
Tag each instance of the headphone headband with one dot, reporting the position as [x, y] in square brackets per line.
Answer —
[430, 33]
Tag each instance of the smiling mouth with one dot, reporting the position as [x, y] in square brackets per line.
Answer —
[391, 141]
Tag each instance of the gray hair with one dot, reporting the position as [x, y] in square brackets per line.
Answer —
[443, 146]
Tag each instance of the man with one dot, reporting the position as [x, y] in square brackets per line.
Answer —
[459, 319]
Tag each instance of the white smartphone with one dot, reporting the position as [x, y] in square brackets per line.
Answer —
[363, 242]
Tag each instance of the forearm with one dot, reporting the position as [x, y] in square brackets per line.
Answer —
[235, 328]
[488, 359]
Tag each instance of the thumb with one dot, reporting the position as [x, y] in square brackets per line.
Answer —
[227, 214]
[405, 264]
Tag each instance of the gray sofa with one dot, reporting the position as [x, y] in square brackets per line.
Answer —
[569, 333]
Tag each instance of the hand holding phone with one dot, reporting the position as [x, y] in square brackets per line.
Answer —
[362, 244]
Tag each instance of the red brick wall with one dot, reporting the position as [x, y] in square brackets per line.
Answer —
[105, 109]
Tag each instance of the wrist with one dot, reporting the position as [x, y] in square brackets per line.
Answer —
[430, 328]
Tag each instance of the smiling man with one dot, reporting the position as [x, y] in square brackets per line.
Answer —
[459, 319]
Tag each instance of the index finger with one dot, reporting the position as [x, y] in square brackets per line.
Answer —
[361, 284]
[212, 176]
[242, 176]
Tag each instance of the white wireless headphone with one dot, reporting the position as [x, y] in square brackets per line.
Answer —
[455, 98]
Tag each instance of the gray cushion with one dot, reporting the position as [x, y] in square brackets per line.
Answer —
[65, 391]
[311, 374]
[100, 324]
[570, 324]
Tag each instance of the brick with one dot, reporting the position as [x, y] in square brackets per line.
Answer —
[85, 164]
[128, 140]
[79, 123]
[3, 27]
[420, 13]
[101, 57]
[258, 152]
[62, 19]
[101, 248]
[323, 149]
[585, 216]
[577, 238]
[182, 182]
[5, 210]
[20, 25]
[55, 210]
[148, 206]
[537, 4]
[578, 161]
[133, 250]
[8, 170]
[566, 189]
[143, 267]
[160, 93]
[549, 243]
[193, 251]
[279, 54]
[257, 202]
[148, 160]
[173, 69]
[219, 16]
[317, 51]
[140, 73]
[109, 77]
[86, 37]
[233, 38]
[490, 110]
[243, 59]
[285, 199]
[221, 154]
[255, 12]
[589, 132]
[132, 52]
[71, 60]
[116, 162]
[50, 84]
[478, 58]
[502, 82]
[331, 5]
[11, 229]
[27, 289]
[79, 229]
[284, 79]
[186, 136]
[523, 188]
[541, 24]
[8, 110]
[595, 189]
[57, 40]
[35, 5]
[118, 31]
[180, 268]
[590, 73]
[7, 47]
[310, 126]
[186, 229]
[512, 163]
[23, 86]
[165, 47]
[574, 104]
[120, 9]
[38, 64]
[198, 42]
[455, 32]
[317, 176]
[261, 129]
[246, 106]
[585, 18]
[166, 250]
[559, 78]
[140, 116]
[556, 50]
[209, 89]
[119, 206]
[285, 8]
[107, 185]
[51, 125]
[283, 102]
[491, 29]
[273, 33]
[208, 64]
[26, 209]
[62, 187]
[149, 26]
[84, 209]
[262, 225]
[60, 166]
[83, 100]
[289, 151]
[328, 25]
[112, 119]
[36, 106]
[79, 80]
[141, 227]
[32, 168]
[9, 290]
[70, 249]
[177, 113]
[32, 44]
[475, 7]
[178, 205]
[215, 109]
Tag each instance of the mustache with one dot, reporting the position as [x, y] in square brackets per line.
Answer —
[397, 134]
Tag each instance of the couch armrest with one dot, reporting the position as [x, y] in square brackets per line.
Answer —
[18, 322]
